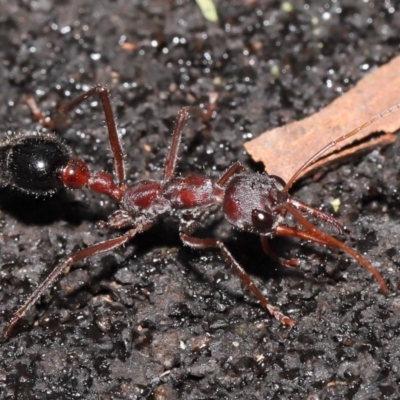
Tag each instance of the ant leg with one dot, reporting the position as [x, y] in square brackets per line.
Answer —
[67, 262]
[305, 208]
[37, 114]
[172, 156]
[170, 161]
[232, 170]
[267, 250]
[197, 243]
[314, 234]
[113, 137]
[115, 142]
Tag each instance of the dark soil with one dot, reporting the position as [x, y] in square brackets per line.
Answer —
[154, 320]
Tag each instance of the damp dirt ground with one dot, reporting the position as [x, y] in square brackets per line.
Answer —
[155, 320]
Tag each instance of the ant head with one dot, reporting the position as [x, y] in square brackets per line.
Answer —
[250, 201]
[32, 163]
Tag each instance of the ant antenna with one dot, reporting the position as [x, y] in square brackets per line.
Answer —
[316, 156]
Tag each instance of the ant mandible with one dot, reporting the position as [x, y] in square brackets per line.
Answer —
[252, 202]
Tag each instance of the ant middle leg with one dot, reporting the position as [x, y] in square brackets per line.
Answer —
[199, 243]
[172, 156]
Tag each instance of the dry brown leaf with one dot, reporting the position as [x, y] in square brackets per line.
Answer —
[284, 150]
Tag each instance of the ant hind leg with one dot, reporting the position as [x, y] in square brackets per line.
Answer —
[113, 137]
[68, 262]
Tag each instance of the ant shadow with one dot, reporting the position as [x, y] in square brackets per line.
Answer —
[45, 210]
[247, 250]
[161, 236]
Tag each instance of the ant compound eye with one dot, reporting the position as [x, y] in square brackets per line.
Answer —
[280, 183]
[262, 220]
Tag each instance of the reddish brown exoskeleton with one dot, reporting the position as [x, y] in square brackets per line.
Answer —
[257, 203]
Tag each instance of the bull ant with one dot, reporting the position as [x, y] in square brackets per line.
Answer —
[252, 202]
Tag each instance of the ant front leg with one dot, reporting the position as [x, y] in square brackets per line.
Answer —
[313, 234]
[198, 244]
[268, 251]
[232, 170]
[306, 209]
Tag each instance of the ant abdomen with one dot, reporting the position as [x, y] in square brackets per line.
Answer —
[33, 163]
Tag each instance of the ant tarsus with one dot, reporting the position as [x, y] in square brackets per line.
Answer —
[257, 203]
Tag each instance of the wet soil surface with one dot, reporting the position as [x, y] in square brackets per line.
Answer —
[154, 320]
